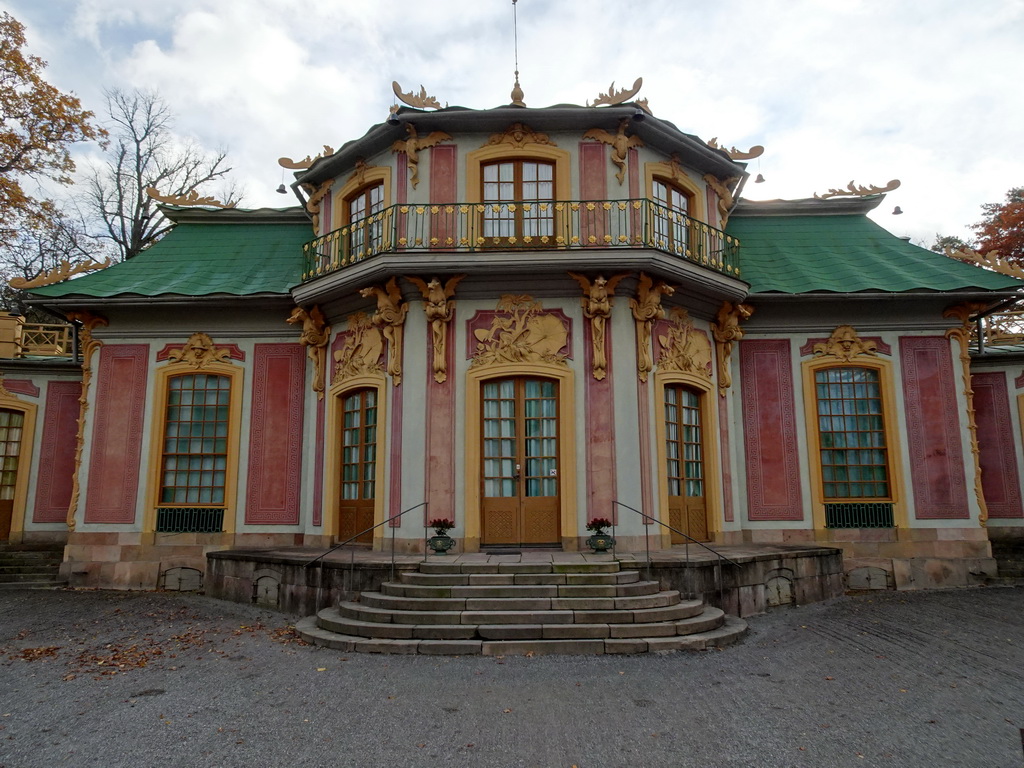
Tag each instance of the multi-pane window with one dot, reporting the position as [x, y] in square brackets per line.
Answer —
[365, 225]
[683, 443]
[517, 197]
[11, 426]
[359, 445]
[851, 432]
[195, 450]
[520, 438]
[671, 217]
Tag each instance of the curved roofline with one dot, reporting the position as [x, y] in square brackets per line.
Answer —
[809, 206]
[180, 214]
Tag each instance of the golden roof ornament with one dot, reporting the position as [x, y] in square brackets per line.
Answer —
[191, 198]
[419, 100]
[613, 97]
[301, 165]
[857, 190]
[991, 260]
[737, 154]
[517, 93]
[59, 274]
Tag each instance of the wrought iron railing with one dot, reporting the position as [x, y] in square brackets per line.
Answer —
[43, 339]
[189, 519]
[861, 514]
[523, 226]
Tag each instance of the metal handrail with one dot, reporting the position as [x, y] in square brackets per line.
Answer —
[352, 562]
[647, 540]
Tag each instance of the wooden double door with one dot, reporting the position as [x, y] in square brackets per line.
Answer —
[520, 502]
[11, 426]
[358, 465]
[685, 467]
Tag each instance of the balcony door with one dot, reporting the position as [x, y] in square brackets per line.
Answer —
[520, 495]
[518, 198]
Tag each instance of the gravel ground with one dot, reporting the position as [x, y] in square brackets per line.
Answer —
[111, 679]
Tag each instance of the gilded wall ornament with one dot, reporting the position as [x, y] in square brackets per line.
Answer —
[991, 260]
[962, 333]
[857, 190]
[419, 100]
[58, 274]
[620, 144]
[390, 316]
[87, 322]
[684, 349]
[315, 335]
[738, 154]
[438, 309]
[361, 350]
[199, 352]
[522, 333]
[727, 331]
[844, 344]
[597, 307]
[301, 165]
[191, 198]
[519, 135]
[316, 198]
[412, 146]
[725, 196]
[613, 97]
[647, 309]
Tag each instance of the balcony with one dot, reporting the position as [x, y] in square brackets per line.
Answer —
[523, 226]
[21, 339]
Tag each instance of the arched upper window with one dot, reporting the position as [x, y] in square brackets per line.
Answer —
[362, 217]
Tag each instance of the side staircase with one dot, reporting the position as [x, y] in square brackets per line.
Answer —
[1009, 555]
[30, 567]
[518, 609]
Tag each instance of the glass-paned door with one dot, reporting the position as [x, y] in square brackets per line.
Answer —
[520, 494]
[365, 226]
[684, 454]
[12, 424]
[671, 224]
[518, 200]
[358, 464]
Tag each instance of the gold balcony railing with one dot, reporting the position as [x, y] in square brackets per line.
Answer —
[523, 226]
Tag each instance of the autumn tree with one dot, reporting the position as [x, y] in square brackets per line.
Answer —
[145, 152]
[38, 125]
[1002, 227]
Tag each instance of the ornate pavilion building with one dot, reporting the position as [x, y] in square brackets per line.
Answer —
[525, 319]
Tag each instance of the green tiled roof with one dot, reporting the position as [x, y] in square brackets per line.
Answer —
[845, 253]
[202, 256]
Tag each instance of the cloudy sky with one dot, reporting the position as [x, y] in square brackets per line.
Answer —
[927, 92]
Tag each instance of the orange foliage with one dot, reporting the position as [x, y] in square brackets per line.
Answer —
[1002, 228]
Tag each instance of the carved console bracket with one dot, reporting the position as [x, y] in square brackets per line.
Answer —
[412, 146]
[597, 307]
[620, 144]
[647, 309]
[439, 311]
[726, 330]
[316, 333]
[390, 316]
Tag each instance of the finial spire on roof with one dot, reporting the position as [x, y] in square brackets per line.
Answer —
[517, 91]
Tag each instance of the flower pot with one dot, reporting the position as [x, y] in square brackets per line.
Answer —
[441, 544]
[601, 542]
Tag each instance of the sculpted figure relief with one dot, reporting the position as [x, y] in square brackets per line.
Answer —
[646, 310]
[438, 310]
[315, 335]
[390, 316]
[727, 331]
[597, 307]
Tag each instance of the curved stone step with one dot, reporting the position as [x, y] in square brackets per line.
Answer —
[519, 591]
[500, 579]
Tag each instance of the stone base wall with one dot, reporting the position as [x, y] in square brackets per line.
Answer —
[158, 560]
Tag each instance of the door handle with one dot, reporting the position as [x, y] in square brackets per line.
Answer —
[516, 475]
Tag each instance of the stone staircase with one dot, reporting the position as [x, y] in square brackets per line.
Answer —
[30, 567]
[1009, 556]
[494, 609]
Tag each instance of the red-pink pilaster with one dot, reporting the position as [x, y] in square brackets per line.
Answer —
[318, 468]
[443, 189]
[395, 468]
[57, 452]
[643, 397]
[117, 434]
[633, 179]
[600, 404]
[1000, 479]
[593, 186]
[933, 428]
[769, 424]
[275, 435]
[440, 458]
[723, 436]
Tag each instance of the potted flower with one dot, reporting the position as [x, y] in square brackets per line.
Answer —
[600, 541]
[441, 542]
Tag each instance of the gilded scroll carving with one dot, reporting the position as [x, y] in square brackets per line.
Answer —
[613, 97]
[390, 317]
[301, 165]
[647, 309]
[738, 154]
[360, 353]
[859, 190]
[522, 333]
[191, 198]
[58, 274]
[725, 196]
[727, 331]
[620, 144]
[419, 100]
[199, 352]
[438, 309]
[316, 197]
[684, 349]
[962, 334]
[412, 146]
[88, 323]
[844, 344]
[597, 307]
[991, 260]
[519, 135]
[315, 335]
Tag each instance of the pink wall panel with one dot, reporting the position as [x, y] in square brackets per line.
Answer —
[1000, 479]
[117, 433]
[770, 431]
[723, 436]
[275, 437]
[600, 403]
[57, 452]
[444, 189]
[318, 469]
[593, 186]
[21, 387]
[440, 454]
[933, 428]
